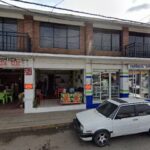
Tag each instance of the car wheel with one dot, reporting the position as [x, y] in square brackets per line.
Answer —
[101, 138]
[149, 132]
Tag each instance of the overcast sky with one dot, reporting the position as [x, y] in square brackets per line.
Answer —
[138, 10]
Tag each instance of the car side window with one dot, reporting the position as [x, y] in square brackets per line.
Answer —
[142, 109]
[125, 112]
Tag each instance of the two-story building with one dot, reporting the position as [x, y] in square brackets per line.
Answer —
[66, 62]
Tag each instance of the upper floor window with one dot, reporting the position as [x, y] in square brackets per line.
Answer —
[139, 38]
[8, 38]
[108, 40]
[7, 24]
[59, 36]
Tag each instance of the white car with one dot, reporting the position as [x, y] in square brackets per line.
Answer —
[122, 116]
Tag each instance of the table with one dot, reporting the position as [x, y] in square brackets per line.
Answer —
[71, 98]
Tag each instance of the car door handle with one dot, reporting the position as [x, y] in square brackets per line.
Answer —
[135, 119]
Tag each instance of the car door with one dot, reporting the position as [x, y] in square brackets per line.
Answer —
[143, 113]
[125, 122]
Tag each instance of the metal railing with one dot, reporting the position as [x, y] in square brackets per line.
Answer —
[137, 50]
[14, 41]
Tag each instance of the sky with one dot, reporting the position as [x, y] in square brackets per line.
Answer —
[136, 10]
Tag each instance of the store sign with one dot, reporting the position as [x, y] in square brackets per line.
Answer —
[88, 87]
[11, 62]
[28, 71]
[28, 86]
[139, 66]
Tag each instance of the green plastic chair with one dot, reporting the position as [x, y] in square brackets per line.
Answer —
[2, 97]
[8, 95]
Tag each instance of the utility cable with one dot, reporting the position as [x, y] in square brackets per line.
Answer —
[76, 11]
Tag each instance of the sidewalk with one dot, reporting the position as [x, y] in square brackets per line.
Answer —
[16, 120]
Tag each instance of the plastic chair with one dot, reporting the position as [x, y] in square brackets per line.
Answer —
[59, 91]
[9, 95]
[2, 97]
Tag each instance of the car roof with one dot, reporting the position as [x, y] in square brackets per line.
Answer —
[122, 101]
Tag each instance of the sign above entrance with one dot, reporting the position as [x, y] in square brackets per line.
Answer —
[11, 62]
[139, 66]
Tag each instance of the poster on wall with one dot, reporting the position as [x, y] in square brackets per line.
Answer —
[28, 71]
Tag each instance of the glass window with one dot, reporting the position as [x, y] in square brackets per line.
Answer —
[125, 112]
[97, 40]
[147, 40]
[1, 33]
[60, 36]
[115, 42]
[106, 108]
[10, 25]
[0, 24]
[106, 40]
[142, 109]
[8, 36]
[73, 37]
[46, 34]
[131, 39]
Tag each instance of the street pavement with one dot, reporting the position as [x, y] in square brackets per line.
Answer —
[67, 139]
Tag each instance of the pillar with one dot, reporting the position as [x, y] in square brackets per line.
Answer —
[89, 38]
[124, 82]
[125, 38]
[88, 86]
[29, 88]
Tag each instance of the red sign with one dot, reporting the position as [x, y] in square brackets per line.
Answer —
[88, 86]
[28, 86]
[28, 71]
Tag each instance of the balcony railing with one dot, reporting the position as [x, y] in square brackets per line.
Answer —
[14, 41]
[137, 50]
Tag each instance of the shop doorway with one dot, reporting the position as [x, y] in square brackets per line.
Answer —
[59, 87]
[105, 85]
[139, 83]
[11, 89]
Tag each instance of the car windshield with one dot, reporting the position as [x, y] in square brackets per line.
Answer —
[106, 108]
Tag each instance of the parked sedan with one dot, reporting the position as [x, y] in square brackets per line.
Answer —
[113, 118]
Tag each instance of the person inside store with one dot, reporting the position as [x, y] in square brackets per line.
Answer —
[21, 100]
[20, 94]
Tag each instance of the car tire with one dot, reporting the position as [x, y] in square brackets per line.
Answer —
[101, 138]
[149, 132]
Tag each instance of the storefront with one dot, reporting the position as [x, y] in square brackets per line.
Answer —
[105, 85]
[106, 82]
[59, 87]
[12, 82]
[139, 80]
[61, 82]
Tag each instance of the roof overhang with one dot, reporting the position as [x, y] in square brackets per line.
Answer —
[91, 59]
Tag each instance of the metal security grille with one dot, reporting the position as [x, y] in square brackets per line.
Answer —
[137, 50]
[14, 41]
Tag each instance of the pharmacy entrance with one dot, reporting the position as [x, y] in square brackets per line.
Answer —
[105, 85]
[139, 83]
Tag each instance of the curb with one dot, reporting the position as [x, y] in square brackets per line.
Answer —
[50, 128]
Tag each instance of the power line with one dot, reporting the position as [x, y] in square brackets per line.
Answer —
[14, 5]
[57, 5]
[76, 11]
[144, 17]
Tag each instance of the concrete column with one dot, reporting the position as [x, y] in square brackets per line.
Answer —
[88, 86]
[29, 88]
[124, 82]
[125, 38]
[89, 38]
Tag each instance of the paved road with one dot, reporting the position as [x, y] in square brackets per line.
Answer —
[68, 140]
